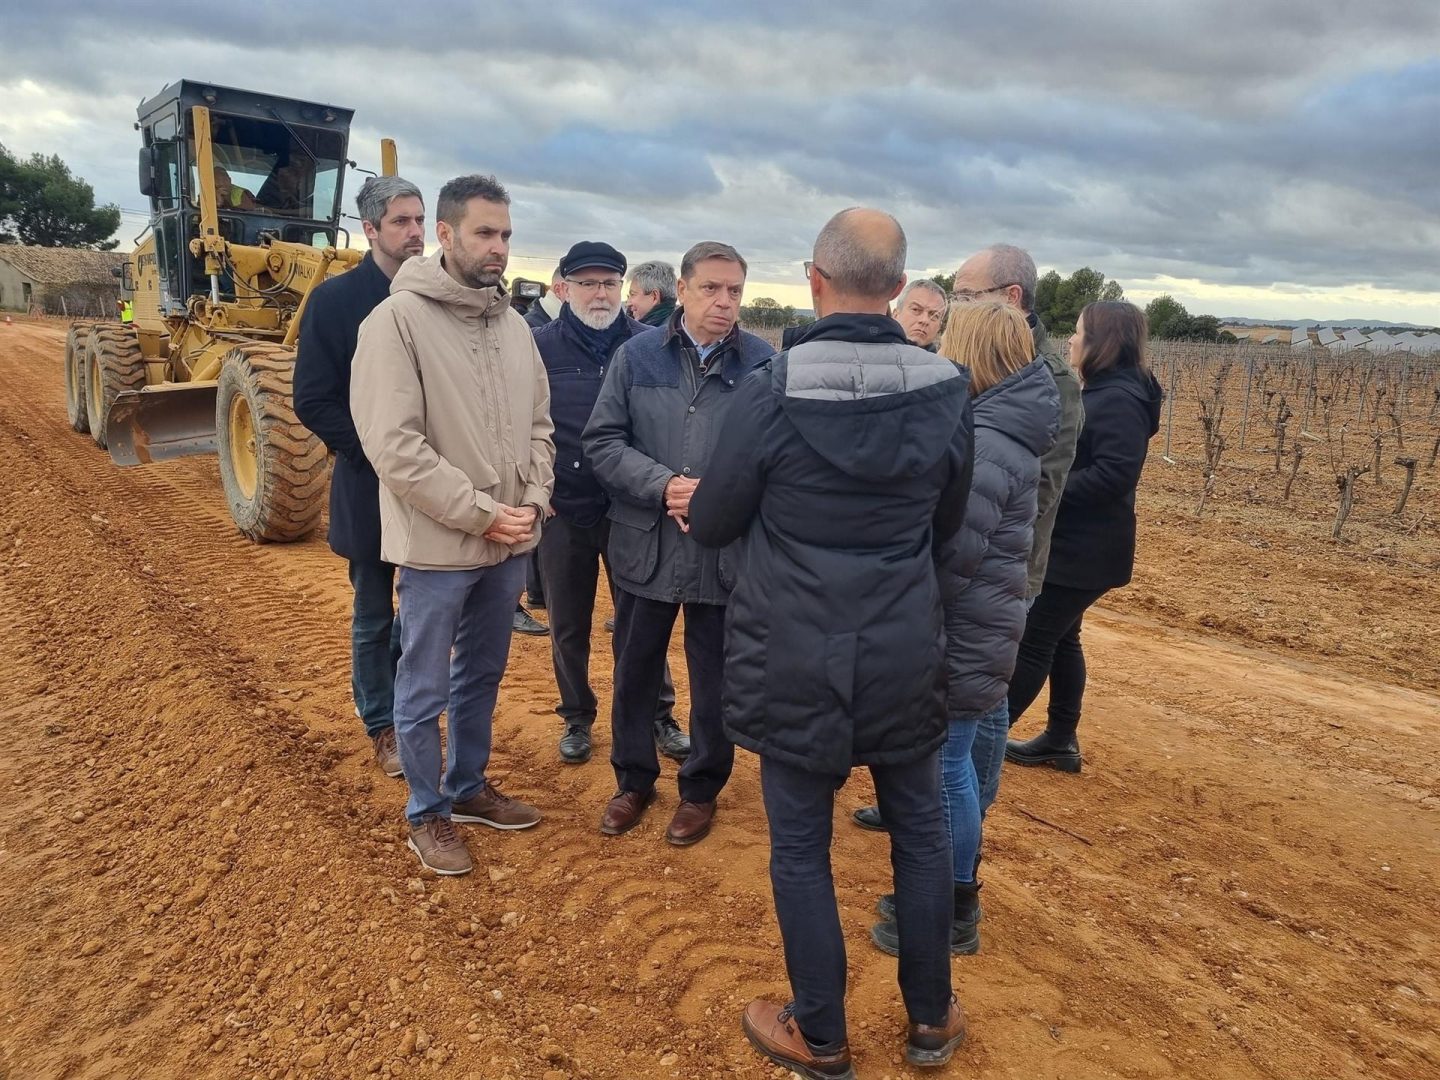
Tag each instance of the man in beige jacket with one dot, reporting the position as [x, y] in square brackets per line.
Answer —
[452, 406]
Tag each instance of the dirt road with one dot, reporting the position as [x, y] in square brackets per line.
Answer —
[201, 874]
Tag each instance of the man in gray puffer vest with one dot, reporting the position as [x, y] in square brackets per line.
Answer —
[843, 464]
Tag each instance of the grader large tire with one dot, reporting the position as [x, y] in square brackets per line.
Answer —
[113, 362]
[75, 342]
[273, 469]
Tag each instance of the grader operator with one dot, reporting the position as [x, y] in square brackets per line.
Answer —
[245, 192]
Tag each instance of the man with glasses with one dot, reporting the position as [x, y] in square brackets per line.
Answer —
[1006, 274]
[649, 440]
[920, 311]
[576, 347]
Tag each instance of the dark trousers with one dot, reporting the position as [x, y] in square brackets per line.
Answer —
[534, 582]
[800, 807]
[570, 557]
[374, 644]
[1051, 650]
[642, 636]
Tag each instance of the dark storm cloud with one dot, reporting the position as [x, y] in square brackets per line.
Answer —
[1239, 142]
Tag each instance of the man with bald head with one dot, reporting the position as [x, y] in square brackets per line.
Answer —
[844, 462]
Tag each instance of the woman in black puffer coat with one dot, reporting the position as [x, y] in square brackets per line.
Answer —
[1093, 547]
[982, 574]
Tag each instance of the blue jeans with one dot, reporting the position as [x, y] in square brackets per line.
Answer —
[374, 644]
[455, 642]
[960, 797]
[988, 753]
[800, 807]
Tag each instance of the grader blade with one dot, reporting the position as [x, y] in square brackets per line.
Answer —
[162, 422]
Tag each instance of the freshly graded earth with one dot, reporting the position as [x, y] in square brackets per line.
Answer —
[203, 875]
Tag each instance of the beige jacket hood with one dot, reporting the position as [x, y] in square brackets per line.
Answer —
[452, 405]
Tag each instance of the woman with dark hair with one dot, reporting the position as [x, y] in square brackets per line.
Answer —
[1093, 547]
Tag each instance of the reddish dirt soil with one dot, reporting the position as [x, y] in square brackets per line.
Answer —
[201, 873]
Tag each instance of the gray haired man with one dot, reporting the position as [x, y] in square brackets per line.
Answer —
[651, 298]
[920, 311]
[392, 214]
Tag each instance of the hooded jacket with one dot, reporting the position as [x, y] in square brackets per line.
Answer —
[983, 568]
[1093, 546]
[1055, 465]
[659, 417]
[452, 406]
[843, 463]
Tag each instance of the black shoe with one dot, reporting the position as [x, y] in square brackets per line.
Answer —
[1048, 748]
[963, 909]
[964, 934]
[610, 626]
[575, 745]
[671, 741]
[525, 623]
[868, 817]
[535, 601]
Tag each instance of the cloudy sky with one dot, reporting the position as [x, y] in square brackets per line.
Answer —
[1250, 157]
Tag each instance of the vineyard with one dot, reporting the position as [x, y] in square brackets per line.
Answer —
[1274, 427]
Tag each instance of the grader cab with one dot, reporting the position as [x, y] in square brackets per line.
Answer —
[245, 192]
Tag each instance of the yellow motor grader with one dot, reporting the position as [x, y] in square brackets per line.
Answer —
[245, 192]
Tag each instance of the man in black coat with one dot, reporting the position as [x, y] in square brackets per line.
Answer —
[843, 463]
[576, 347]
[392, 214]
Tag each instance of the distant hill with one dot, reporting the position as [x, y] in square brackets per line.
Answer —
[1344, 324]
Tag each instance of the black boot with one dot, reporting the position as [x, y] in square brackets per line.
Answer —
[964, 930]
[964, 935]
[1059, 750]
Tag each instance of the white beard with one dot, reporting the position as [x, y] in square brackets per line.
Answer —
[597, 320]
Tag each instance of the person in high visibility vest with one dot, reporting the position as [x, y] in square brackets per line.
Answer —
[127, 311]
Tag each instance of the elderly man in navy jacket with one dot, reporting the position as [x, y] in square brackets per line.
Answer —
[393, 216]
[576, 347]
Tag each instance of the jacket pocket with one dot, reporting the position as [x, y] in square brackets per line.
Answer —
[634, 541]
[728, 562]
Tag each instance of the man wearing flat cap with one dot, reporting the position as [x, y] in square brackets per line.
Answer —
[576, 347]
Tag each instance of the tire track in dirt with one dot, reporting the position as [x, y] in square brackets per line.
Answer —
[211, 695]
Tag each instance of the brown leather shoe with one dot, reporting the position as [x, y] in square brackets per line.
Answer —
[439, 846]
[387, 754]
[490, 806]
[624, 811]
[691, 823]
[930, 1045]
[772, 1030]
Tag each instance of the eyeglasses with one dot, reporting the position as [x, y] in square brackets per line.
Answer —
[967, 296]
[608, 284]
[811, 266]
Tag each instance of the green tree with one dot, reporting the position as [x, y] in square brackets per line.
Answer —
[945, 281]
[1059, 301]
[43, 203]
[1168, 318]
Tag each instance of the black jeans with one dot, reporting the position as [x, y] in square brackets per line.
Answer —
[569, 558]
[1051, 650]
[801, 809]
[642, 636]
[534, 583]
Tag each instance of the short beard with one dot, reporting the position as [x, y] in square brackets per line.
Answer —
[473, 274]
[597, 320]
